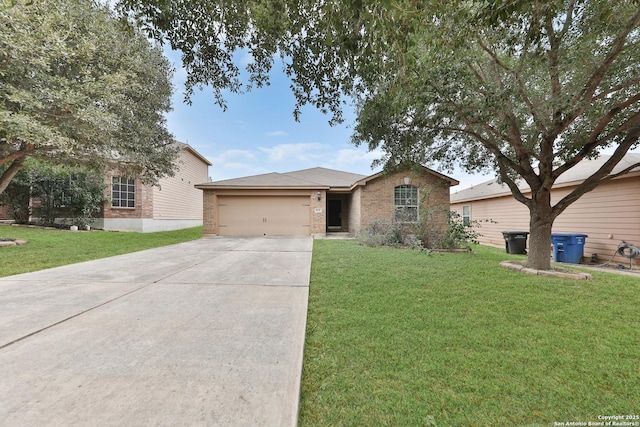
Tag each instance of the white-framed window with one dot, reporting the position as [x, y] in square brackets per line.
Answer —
[123, 192]
[406, 203]
[466, 215]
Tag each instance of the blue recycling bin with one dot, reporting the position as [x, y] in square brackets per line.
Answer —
[568, 247]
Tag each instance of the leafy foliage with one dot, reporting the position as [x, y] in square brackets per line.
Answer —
[530, 92]
[79, 86]
[457, 235]
[17, 198]
[426, 234]
[527, 88]
[56, 192]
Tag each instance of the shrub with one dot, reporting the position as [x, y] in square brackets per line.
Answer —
[52, 192]
[382, 233]
[428, 234]
[17, 197]
[457, 234]
[437, 228]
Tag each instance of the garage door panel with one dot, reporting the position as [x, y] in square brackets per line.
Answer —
[267, 215]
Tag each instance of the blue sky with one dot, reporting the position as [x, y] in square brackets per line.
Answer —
[258, 134]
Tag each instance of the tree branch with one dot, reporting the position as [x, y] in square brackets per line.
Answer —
[12, 170]
[614, 89]
[554, 74]
[583, 99]
[603, 174]
[593, 142]
[515, 137]
[515, 190]
[569, 20]
[25, 149]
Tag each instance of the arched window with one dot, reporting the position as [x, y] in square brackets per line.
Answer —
[406, 203]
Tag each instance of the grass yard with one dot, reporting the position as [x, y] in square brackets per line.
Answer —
[405, 338]
[51, 248]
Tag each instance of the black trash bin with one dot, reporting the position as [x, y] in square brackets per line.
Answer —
[515, 242]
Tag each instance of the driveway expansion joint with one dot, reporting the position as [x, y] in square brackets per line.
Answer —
[36, 332]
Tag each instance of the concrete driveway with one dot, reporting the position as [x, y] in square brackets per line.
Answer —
[209, 332]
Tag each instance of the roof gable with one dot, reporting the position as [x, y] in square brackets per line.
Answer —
[187, 147]
[452, 182]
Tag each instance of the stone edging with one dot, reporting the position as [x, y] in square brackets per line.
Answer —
[15, 242]
[551, 273]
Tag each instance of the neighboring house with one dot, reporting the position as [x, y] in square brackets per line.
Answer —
[318, 200]
[607, 215]
[132, 206]
[174, 204]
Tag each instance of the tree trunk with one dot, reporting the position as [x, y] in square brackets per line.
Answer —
[541, 221]
[10, 172]
[539, 244]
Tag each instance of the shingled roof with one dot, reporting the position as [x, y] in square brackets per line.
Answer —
[315, 178]
[573, 176]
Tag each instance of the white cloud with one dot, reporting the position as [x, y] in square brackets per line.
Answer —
[347, 157]
[235, 166]
[229, 155]
[301, 152]
[277, 133]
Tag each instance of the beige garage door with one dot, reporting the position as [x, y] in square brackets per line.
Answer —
[263, 216]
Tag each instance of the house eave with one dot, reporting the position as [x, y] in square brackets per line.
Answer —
[259, 187]
[527, 190]
[193, 151]
[452, 182]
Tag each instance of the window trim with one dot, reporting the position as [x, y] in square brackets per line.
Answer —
[126, 181]
[466, 217]
[407, 207]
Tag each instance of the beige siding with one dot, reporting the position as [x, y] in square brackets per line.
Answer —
[496, 215]
[177, 198]
[608, 214]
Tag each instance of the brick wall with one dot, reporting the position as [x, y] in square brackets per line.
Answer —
[209, 213]
[355, 216]
[318, 212]
[377, 196]
[144, 203]
[367, 204]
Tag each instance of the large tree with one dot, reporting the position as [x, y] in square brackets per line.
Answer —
[80, 86]
[529, 88]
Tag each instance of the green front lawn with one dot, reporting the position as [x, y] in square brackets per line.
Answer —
[405, 338]
[48, 248]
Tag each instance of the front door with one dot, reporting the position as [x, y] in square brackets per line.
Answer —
[334, 214]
